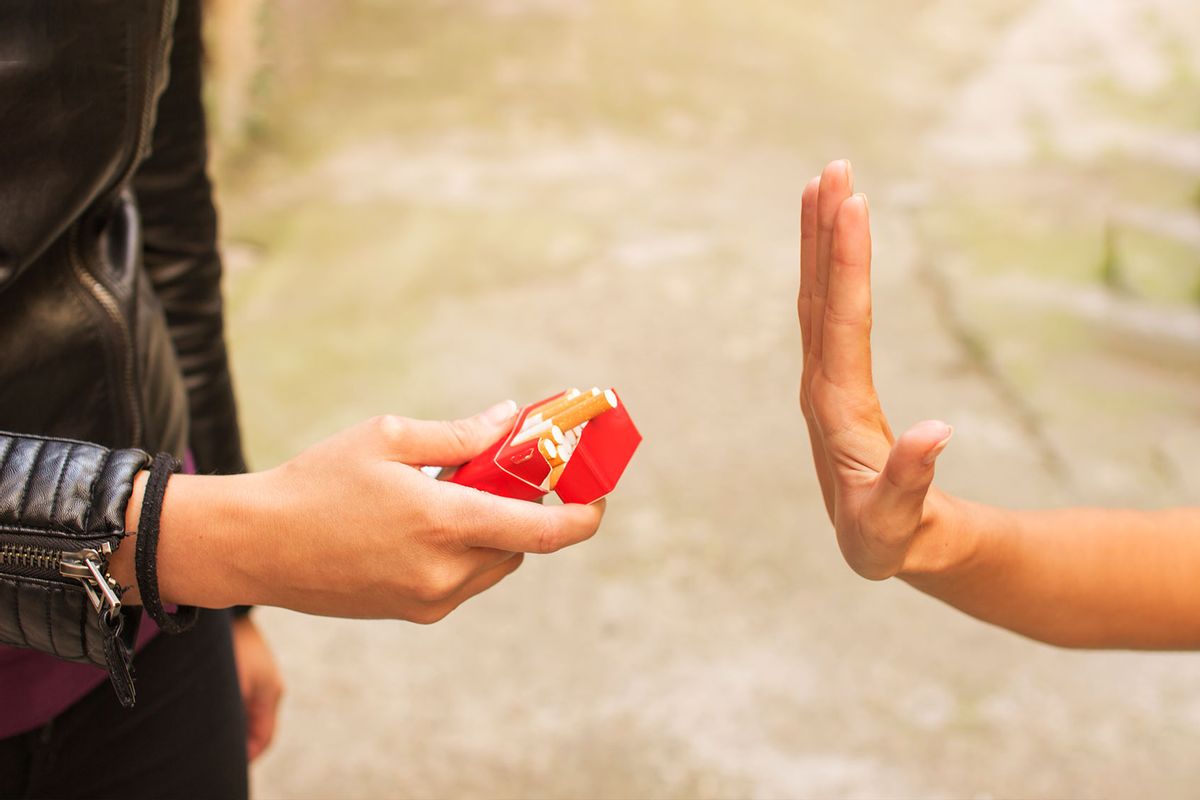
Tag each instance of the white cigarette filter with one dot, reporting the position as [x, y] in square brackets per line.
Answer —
[547, 429]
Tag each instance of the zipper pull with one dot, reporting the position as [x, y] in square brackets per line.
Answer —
[87, 567]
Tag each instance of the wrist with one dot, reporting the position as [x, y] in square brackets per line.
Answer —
[205, 553]
[961, 543]
[206, 550]
[121, 563]
[947, 540]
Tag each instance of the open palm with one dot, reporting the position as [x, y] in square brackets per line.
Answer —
[875, 485]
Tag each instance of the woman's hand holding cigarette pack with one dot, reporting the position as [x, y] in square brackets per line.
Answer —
[351, 527]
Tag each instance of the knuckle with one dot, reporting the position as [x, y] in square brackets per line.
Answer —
[388, 427]
[436, 584]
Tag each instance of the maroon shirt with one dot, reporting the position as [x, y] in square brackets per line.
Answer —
[36, 687]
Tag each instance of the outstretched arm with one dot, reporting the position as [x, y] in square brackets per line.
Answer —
[351, 527]
[1073, 577]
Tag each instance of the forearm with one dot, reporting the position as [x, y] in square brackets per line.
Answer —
[1089, 578]
[206, 546]
[350, 527]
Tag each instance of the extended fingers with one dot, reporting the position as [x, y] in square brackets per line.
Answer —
[808, 260]
[821, 199]
[836, 185]
[846, 348]
[804, 309]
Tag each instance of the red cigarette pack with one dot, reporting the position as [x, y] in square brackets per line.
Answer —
[604, 446]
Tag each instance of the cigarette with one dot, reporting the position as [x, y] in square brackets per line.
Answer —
[555, 474]
[585, 410]
[547, 429]
[557, 407]
[548, 410]
[554, 454]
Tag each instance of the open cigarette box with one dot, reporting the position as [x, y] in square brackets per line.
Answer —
[574, 443]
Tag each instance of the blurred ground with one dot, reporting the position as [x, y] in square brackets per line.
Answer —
[435, 205]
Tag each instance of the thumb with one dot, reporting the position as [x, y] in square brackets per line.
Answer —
[898, 497]
[447, 443]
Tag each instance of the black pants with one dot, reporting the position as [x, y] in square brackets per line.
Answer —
[185, 737]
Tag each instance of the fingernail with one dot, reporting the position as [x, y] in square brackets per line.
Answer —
[849, 169]
[937, 449]
[501, 412]
[862, 197]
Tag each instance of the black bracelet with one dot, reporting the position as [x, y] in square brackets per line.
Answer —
[146, 555]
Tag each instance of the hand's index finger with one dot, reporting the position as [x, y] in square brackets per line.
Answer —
[846, 357]
[501, 523]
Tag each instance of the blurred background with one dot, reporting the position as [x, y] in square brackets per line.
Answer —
[432, 205]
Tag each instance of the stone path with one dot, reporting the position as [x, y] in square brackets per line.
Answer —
[451, 203]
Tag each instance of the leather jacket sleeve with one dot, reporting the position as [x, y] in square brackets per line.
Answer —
[179, 230]
[62, 512]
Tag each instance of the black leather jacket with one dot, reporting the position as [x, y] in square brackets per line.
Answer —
[110, 305]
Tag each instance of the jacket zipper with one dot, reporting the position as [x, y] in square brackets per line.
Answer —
[109, 303]
[89, 566]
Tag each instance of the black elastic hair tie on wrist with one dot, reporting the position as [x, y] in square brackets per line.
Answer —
[146, 554]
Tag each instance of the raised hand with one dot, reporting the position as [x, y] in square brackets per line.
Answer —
[876, 487]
